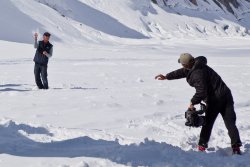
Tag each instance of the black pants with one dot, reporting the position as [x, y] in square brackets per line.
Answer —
[224, 106]
[41, 76]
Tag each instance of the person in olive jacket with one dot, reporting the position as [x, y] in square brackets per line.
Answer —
[211, 89]
[44, 51]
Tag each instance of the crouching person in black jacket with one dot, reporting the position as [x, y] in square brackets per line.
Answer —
[44, 51]
[211, 89]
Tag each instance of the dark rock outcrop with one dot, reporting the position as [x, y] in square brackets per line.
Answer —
[194, 2]
[226, 3]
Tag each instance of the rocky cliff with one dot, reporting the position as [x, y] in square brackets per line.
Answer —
[228, 5]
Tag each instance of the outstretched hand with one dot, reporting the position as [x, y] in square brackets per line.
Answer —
[191, 107]
[160, 77]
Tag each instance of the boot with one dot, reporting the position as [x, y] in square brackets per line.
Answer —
[236, 150]
[201, 149]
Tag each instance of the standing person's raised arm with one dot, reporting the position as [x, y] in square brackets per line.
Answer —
[36, 43]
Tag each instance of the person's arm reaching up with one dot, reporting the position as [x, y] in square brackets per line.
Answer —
[36, 43]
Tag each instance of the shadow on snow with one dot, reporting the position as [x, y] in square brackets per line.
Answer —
[100, 21]
[16, 88]
[148, 153]
[13, 88]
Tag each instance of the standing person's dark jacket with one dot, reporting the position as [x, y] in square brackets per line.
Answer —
[205, 80]
[41, 47]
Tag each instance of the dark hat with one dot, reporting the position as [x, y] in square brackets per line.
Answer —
[47, 34]
[186, 59]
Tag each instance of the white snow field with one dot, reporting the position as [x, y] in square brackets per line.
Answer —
[104, 102]
[104, 107]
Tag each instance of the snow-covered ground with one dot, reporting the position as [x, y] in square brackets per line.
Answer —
[104, 107]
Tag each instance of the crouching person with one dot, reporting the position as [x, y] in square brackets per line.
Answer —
[212, 89]
[44, 51]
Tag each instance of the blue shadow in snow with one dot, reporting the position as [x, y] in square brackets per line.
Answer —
[13, 88]
[100, 21]
[76, 88]
[10, 85]
[148, 153]
[17, 26]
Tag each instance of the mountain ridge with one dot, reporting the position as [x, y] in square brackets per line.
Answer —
[105, 21]
[226, 3]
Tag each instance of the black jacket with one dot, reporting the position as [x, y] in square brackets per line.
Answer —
[204, 79]
[39, 57]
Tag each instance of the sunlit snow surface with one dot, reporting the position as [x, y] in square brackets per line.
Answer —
[103, 102]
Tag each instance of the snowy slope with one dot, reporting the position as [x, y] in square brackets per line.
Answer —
[117, 20]
[220, 21]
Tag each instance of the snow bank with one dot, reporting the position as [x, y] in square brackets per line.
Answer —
[17, 140]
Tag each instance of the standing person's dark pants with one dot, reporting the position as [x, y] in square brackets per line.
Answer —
[41, 76]
[224, 106]
[44, 51]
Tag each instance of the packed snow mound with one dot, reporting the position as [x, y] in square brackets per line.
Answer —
[78, 21]
[26, 140]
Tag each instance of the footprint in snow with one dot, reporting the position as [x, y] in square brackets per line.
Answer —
[113, 105]
[139, 80]
[159, 102]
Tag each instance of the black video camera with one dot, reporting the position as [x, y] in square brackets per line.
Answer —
[195, 118]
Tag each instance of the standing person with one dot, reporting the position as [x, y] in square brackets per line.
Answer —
[44, 51]
[211, 89]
